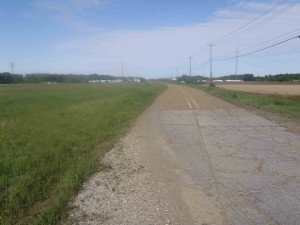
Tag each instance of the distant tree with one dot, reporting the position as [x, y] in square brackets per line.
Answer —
[282, 77]
[249, 77]
[7, 78]
[60, 78]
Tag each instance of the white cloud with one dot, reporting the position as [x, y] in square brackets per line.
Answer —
[255, 6]
[158, 52]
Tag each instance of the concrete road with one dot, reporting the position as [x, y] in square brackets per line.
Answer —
[231, 166]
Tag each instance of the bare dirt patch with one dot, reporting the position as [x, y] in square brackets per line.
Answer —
[278, 89]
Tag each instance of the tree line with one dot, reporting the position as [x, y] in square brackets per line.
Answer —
[280, 77]
[8, 78]
[288, 77]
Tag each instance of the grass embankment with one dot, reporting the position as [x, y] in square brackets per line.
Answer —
[287, 106]
[52, 138]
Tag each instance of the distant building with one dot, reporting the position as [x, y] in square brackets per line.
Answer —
[229, 81]
[100, 81]
[94, 81]
[234, 81]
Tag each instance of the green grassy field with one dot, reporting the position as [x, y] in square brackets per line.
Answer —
[286, 106]
[52, 138]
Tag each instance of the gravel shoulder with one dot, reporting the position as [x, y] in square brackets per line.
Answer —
[135, 190]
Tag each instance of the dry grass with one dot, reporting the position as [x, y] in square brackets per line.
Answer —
[271, 89]
[283, 105]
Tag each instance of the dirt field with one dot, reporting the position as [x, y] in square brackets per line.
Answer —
[288, 89]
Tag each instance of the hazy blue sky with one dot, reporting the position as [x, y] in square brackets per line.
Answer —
[152, 37]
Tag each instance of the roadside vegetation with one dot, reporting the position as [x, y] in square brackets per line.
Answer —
[286, 106]
[293, 77]
[52, 138]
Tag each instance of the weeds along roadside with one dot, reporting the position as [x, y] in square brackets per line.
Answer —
[52, 138]
[285, 106]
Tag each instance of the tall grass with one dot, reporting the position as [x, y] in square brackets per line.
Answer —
[52, 139]
[287, 106]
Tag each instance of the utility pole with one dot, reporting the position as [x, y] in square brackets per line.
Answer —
[236, 61]
[177, 73]
[12, 65]
[122, 70]
[190, 68]
[210, 50]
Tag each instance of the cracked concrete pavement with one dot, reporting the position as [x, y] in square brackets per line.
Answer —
[192, 158]
[232, 166]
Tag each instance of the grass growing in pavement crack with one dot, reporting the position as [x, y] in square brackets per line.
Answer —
[52, 138]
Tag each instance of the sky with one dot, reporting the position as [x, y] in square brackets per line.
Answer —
[153, 39]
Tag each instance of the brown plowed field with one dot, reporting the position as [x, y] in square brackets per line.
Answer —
[276, 89]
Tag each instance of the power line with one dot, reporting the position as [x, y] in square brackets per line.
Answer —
[270, 39]
[281, 42]
[253, 46]
[260, 23]
[244, 30]
[249, 22]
